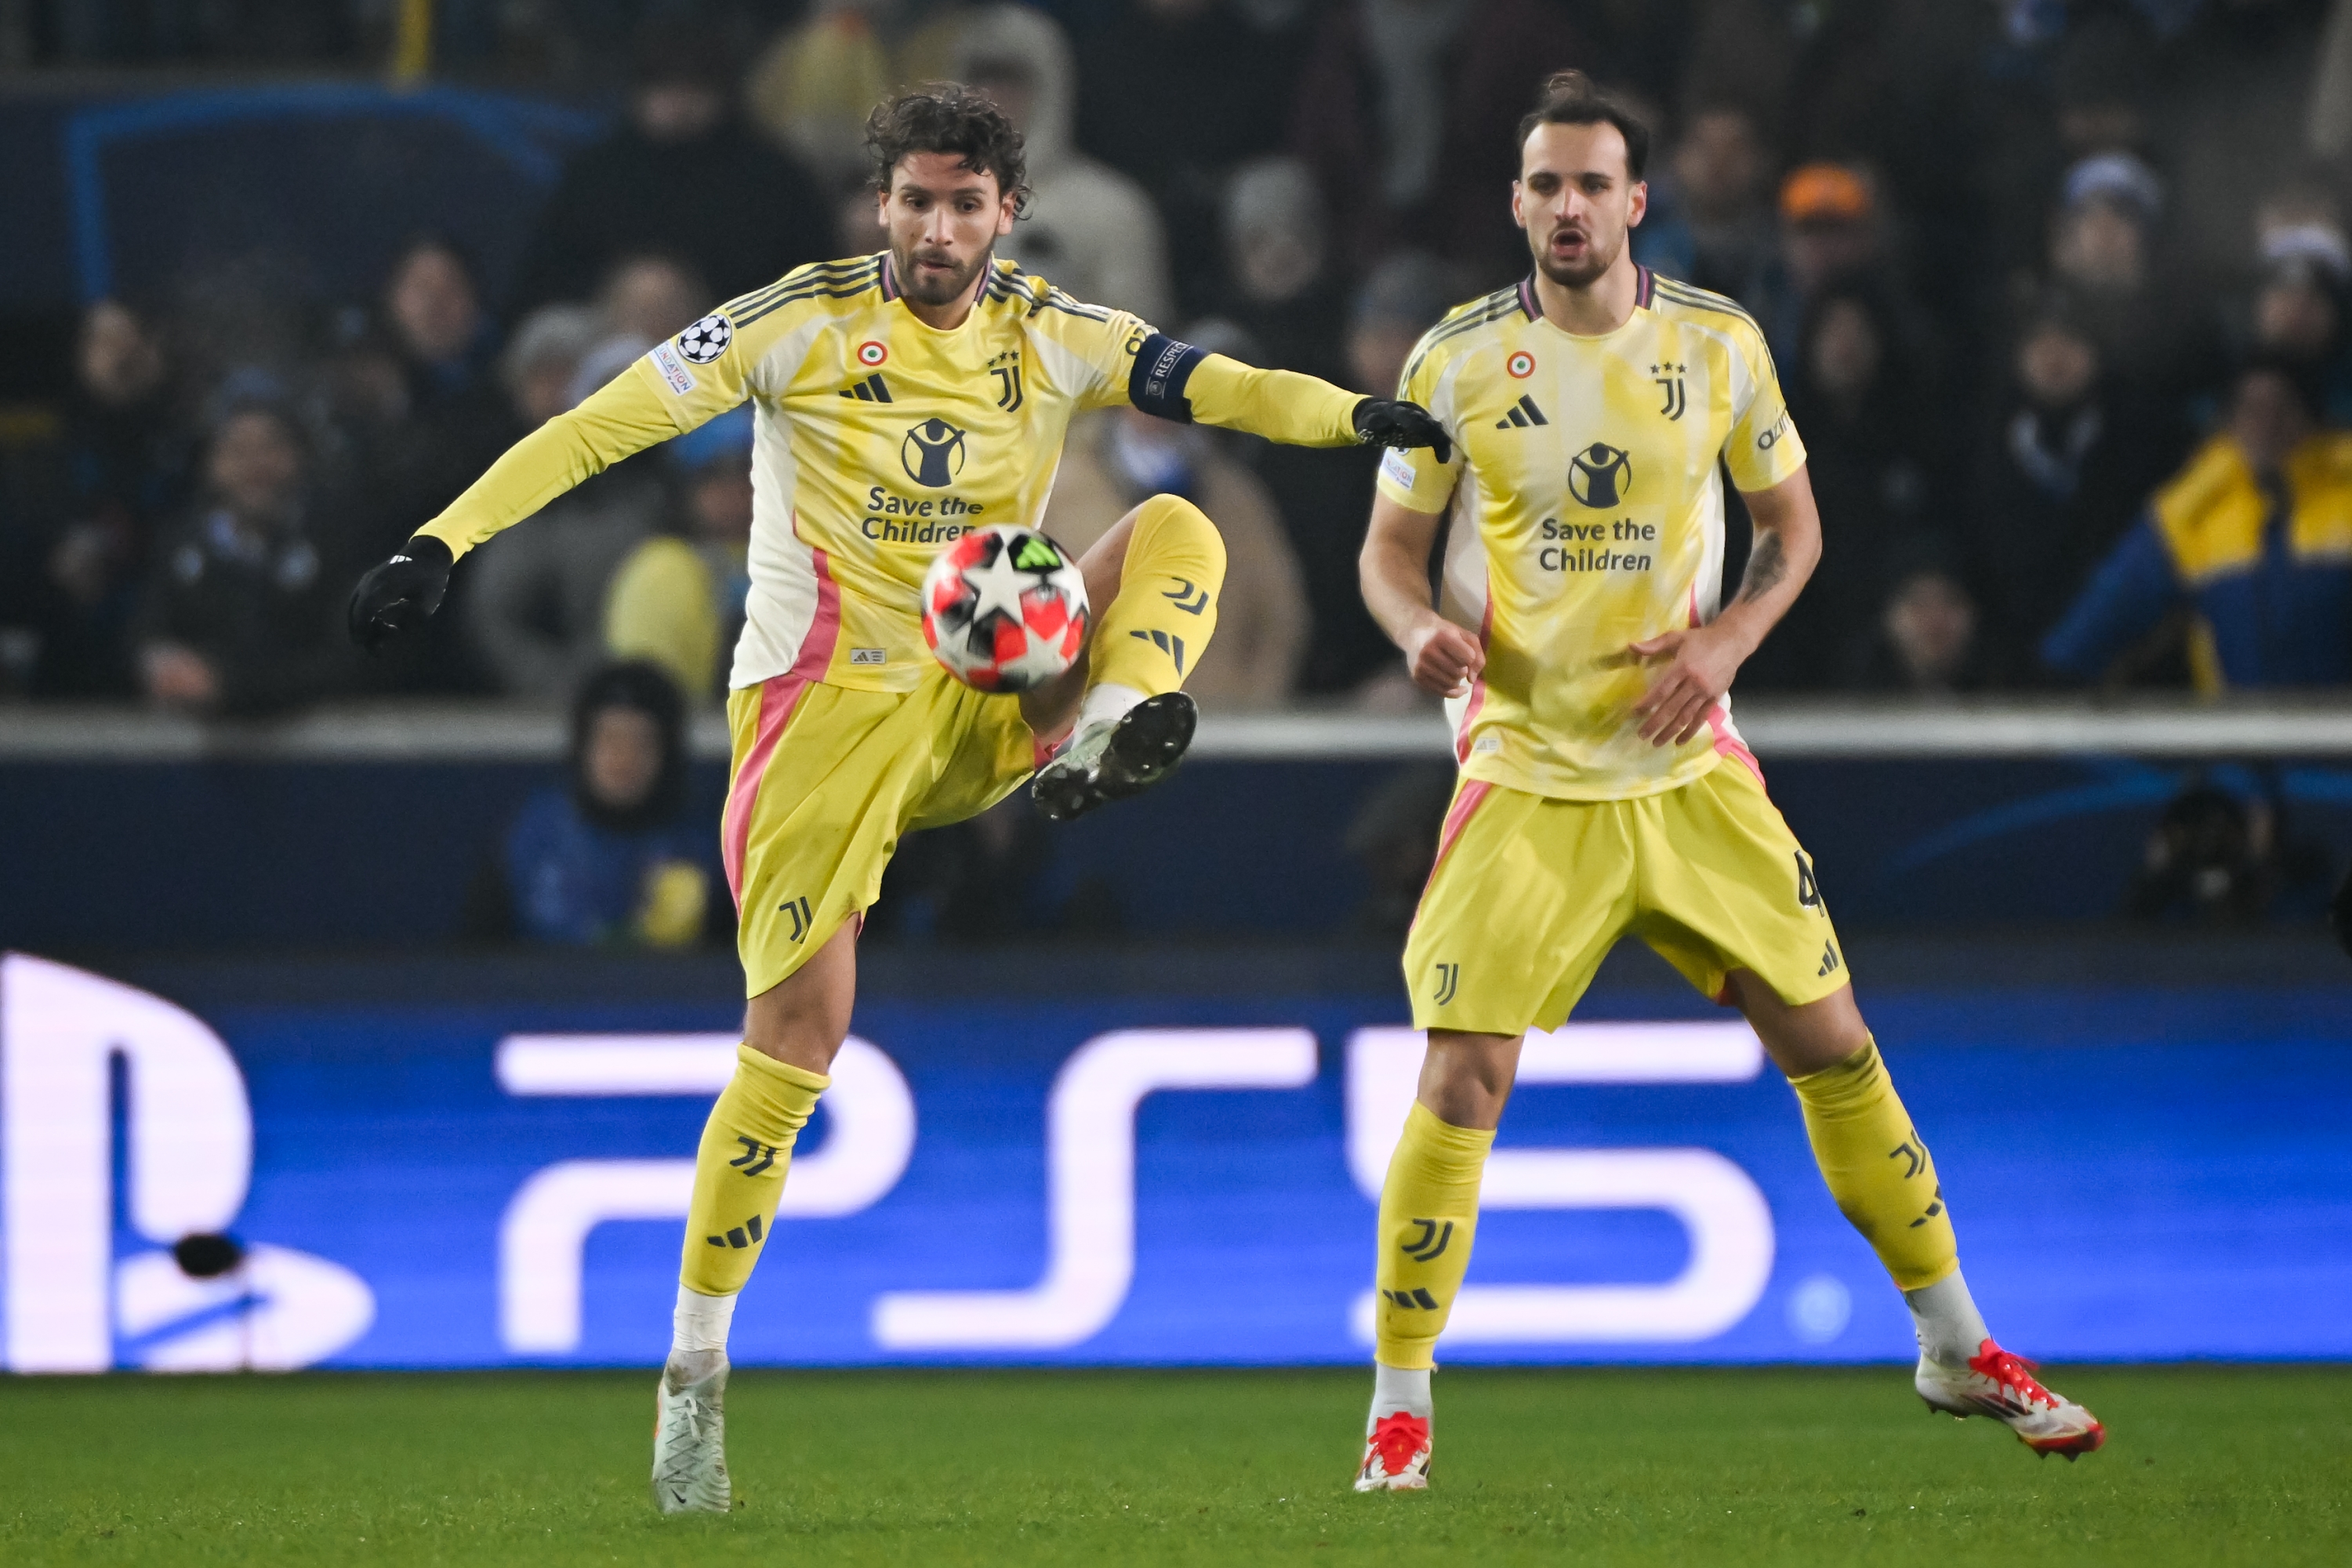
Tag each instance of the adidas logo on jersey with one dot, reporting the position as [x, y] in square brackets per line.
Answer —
[1524, 412]
[873, 389]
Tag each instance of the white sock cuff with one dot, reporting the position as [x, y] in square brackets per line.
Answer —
[1945, 1316]
[1107, 701]
[1396, 1388]
[699, 1322]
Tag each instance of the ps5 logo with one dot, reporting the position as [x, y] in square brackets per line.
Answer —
[70, 1304]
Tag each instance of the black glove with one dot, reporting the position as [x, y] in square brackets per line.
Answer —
[1381, 423]
[400, 594]
[2339, 913]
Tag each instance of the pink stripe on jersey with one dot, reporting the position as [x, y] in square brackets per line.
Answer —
[779, 696]
[1728, 743]
[1477, 689]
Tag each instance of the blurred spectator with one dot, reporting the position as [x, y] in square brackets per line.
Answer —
[1276, 252]
[1860, 395]
[2059, 474]
[2300, 309]
[983, 880]
[812, 88]
[2255, 537]
[652, 296]
[614, 857]
[643, 298]
[1119, 458]
[451, 424]
[679, 602]
[1089, 229]
[1326, 496]
[124, 469]
[1717, 229]
[1830, 231]
[1923, 638]
[1222, 76]
[532, 598]
[2241, 75]
[244, 610]
[543, 358]
[682, 173]
[1408, 112]
[2102, 251]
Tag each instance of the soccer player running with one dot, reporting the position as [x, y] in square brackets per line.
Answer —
[1603, 789]
[898, 399]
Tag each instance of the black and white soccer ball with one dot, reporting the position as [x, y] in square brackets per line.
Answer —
[706, 339]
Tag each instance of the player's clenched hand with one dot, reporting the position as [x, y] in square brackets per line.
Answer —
[1698, 671]
[1443, 658]
[1381, 423]
[401, 593]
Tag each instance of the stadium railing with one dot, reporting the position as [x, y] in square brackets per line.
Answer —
[2307, 728]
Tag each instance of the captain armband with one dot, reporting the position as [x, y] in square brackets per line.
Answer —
[1162, 367]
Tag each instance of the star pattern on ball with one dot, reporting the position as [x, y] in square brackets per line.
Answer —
[1000, 586]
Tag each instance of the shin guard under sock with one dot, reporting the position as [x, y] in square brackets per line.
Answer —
[1429, 1210]
[1153, 635]
[738, 1171]
[1878, 1168]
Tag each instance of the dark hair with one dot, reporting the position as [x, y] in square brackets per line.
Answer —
[420, 242]
[948, 117]
[643, 687]
[1569, 97]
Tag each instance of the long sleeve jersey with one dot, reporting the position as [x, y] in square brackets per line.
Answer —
[878, 438]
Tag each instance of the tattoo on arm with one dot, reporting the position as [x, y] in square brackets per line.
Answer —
[1766, 566]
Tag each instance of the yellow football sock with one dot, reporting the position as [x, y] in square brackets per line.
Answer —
[739, 1171]
[1877, 1168]
[1429, 1210]
[1152, 634]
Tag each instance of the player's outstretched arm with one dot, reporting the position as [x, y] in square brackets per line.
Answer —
[621, 417]
[1297, 410]
[1698, 664]
[1443, 658]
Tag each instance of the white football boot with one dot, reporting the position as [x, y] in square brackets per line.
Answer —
[2003, 1387]
[1396, 1455]
[1116, 758]
[690, 1440]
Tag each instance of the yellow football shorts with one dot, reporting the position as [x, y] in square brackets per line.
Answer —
[1529, 894]
[824, 781]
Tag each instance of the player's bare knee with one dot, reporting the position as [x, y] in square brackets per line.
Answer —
[1465, 1078]
[1806, 1038]
[803, 1019]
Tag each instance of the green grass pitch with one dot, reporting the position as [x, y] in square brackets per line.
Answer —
[2206, 1465]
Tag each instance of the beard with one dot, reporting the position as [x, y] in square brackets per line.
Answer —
[1576, 274]
[927, 287]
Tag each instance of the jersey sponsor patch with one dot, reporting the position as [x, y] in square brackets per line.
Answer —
[1396, 468]
[706, 339]
[672, 369]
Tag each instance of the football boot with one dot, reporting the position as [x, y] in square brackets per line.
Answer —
[1396, 1455]
[690, 1440]
[1116, 758]
[2003, 1387]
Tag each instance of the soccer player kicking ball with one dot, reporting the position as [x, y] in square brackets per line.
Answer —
[1603, 789]
[900, 399]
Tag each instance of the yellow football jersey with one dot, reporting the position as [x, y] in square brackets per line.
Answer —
[878, 438]
[1586, 509]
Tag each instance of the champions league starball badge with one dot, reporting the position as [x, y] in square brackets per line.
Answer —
[706, 339]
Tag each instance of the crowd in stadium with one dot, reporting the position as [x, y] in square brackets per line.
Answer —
[2059, 290]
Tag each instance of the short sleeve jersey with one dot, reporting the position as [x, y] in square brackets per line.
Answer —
[1586, 504]
[878, 438]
